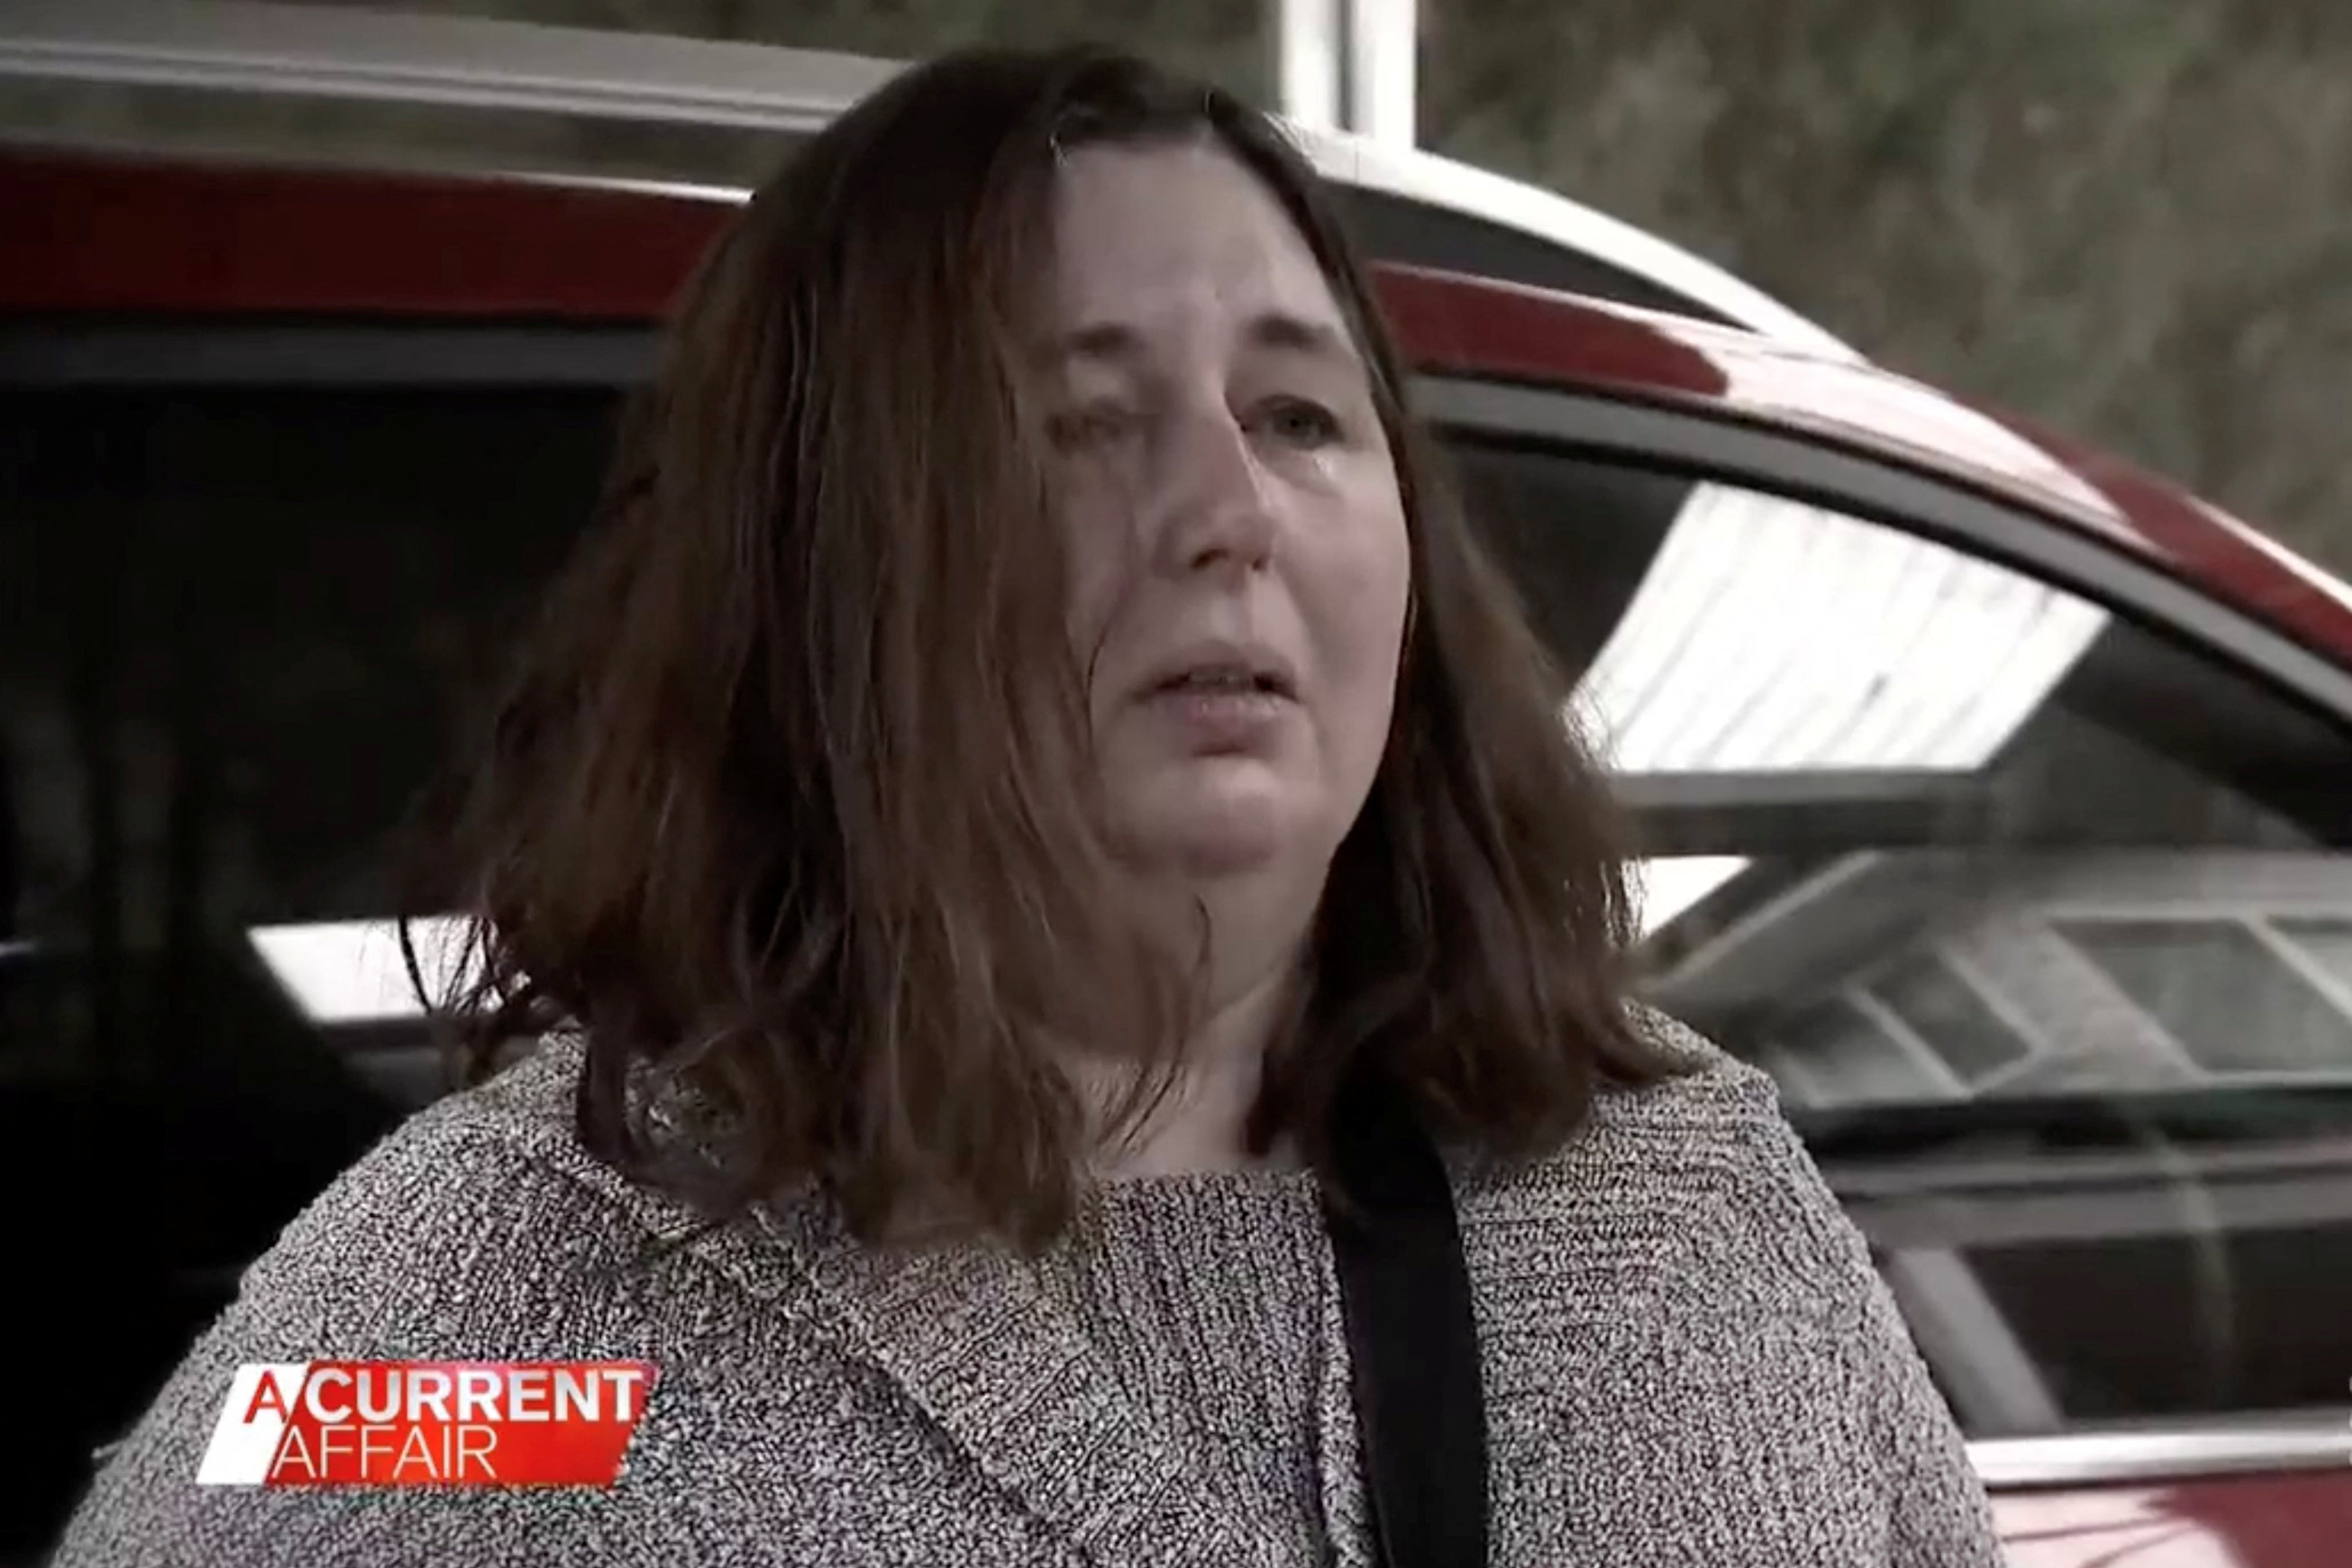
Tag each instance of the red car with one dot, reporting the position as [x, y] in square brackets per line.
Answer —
[1995, 795]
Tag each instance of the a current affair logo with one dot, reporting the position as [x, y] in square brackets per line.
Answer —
[380, 1423]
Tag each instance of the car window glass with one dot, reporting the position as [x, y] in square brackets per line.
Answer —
[238, 628]
[2041, 921]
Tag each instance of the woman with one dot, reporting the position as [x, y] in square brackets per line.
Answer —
[1031, 731]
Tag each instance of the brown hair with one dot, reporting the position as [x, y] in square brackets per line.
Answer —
[788, 805]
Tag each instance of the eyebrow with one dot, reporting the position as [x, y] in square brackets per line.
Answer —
[1276, 330]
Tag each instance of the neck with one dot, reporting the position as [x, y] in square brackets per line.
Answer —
[1202, 1125]
[1258, 925]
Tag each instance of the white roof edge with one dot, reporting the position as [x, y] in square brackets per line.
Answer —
[248, 45]
[1545, 214]
[1345, 160]
[388, 57]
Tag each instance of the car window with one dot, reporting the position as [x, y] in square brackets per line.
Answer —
[2041, 921]
[238, 628]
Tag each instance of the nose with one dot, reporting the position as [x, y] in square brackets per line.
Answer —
[1219, 517]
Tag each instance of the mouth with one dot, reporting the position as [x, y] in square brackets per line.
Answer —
[1224, 675]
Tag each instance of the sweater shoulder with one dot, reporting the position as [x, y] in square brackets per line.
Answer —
[477, 1230]
[483, 1227]
[1707, 1120]
[1693, 1185]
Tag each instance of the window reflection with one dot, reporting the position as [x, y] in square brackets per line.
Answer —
[1950, 1014]
[2326, 943]
[357, 971]
[2041, 923]
[1767, 636]
[2234, 1002]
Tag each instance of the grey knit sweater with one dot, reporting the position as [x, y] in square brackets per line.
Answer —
[1687, 1357]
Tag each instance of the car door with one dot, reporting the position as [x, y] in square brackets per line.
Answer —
[2023, 867]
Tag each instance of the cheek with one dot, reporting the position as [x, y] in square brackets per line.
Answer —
[1384, 572]
[1098, 552]
[1361, 613]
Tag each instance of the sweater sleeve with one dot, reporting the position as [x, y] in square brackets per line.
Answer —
[1939, 1515]
[432, 1246]
[1936, 1513]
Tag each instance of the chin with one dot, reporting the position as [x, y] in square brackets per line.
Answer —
[1207, 840]
[1228, 854]
[1221, 817]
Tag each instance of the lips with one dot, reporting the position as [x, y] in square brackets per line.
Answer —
[1222, 670]
[1226, 681]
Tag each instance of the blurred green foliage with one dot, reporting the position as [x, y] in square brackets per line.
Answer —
[2131, 220]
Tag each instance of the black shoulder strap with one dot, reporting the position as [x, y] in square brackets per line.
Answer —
[1412, 1337]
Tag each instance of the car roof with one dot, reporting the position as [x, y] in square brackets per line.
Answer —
[1480, 327]
[239, 47]
[133, 237]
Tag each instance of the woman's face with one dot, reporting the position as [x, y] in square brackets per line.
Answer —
[1231, 504]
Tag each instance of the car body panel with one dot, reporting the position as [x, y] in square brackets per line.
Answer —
[143, 239]
[294, 242]
[2253, 1521]
[328, 53]
[123, 239]
[1481, 328]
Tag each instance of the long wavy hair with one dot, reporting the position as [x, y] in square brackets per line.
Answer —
[788, 809]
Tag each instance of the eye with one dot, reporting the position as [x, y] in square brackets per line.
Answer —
[1092, 427]
[1298, 422]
